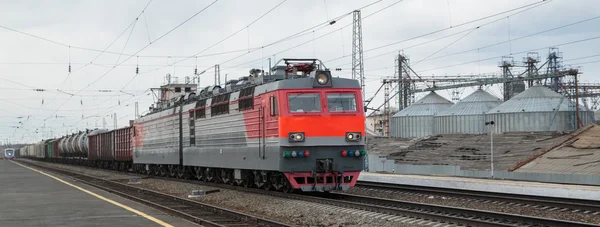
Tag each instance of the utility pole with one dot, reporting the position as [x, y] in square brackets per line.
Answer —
[491, 124]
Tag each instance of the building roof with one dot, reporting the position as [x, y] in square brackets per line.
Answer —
[579, 157]
[429, 105]
[477, 103]
[537, 98]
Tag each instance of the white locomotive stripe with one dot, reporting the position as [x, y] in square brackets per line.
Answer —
[156, 220]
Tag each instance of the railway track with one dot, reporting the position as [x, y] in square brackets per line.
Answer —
[203, 214]
[446, 214]
[401, 211]
[534, 202]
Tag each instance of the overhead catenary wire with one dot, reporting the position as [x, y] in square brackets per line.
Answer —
[525, 7]
[308, 31]
[143, 48]
[481, 47]
[289, 37]
[217, 43]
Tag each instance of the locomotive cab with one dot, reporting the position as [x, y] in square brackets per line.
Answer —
[321, 130]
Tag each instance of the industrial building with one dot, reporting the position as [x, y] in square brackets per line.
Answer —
[467, 115]
[417, 119]
[538, 109]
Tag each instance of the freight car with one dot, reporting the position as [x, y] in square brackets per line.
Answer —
[294, 128]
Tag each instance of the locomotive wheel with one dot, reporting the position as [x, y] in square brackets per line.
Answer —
[286, 187]
[209, 175]
[156, 170]
[198, 173]
[247, 181]
[163, 171]
[172, 171]
[182, 173]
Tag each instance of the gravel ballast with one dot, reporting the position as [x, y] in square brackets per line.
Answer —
[289, 211]
[462, 202]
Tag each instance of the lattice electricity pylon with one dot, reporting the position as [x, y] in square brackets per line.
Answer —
[358, 70]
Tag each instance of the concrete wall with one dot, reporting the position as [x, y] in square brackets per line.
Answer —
[382, 164]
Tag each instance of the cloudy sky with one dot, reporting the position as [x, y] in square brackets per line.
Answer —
[104, 42]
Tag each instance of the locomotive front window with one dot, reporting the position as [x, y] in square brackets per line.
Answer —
[304, 103]
[341, 102]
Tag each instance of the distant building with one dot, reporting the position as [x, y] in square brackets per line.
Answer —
[377, 124]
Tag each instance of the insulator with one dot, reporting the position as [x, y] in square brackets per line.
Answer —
[137, 70]
[69, 68]
[196, 71]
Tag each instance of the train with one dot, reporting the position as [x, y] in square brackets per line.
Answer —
[294, 128]
[9, 153]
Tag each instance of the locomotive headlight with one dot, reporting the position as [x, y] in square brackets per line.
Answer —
[296, 137]
[322, 79]
[353, 136]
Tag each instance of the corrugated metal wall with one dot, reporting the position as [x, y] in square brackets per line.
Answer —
[468, 124]
[411, 126]
[536, 121]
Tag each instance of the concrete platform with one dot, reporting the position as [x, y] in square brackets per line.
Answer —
[489, 185]
[29, 198]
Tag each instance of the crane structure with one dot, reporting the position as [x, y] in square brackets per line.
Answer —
[406, 83]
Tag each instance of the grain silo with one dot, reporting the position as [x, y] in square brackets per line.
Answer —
[537, 109]
[466, 116]
[416, 120]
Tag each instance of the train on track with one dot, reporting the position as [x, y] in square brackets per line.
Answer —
[294, 128]
[8, 153]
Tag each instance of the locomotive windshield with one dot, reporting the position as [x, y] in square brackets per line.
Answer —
[304, 103]
[341, 102]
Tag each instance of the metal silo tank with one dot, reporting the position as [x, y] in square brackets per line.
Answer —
[537, 109]
[466, 116]
[417, 119]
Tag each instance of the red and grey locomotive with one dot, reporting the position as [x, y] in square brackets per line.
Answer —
[294, 128]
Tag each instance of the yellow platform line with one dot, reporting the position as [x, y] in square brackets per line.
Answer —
[156, 220]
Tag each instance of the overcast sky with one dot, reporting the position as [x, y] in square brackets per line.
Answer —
[42, 62]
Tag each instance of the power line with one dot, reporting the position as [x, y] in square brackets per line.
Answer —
[531, 6]
[522, 37]
[222, 40]
[591, 56]
[562, 44]
[583, 63]
[133, 23]
[310, 32]
[162, 36]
